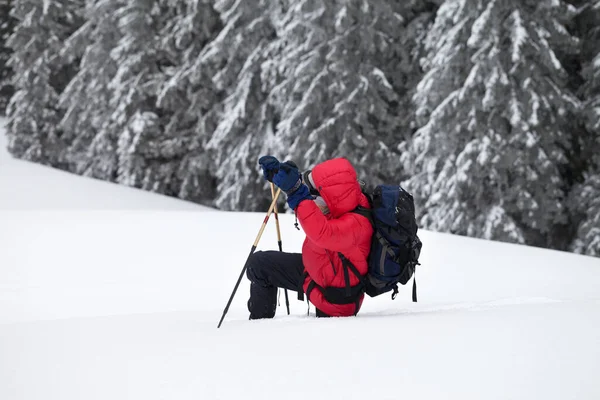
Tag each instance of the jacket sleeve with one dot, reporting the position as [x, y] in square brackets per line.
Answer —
[333, 234]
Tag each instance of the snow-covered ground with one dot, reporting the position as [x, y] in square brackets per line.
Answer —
[22, 183]
[122, 303]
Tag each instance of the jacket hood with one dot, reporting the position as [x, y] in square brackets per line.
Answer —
[338, 185]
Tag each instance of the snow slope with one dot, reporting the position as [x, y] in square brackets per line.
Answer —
[22, 183]
[123, 304]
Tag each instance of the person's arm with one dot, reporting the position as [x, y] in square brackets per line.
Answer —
[338, 234]
[333, 234]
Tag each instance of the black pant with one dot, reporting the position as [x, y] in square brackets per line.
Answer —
[267, 271]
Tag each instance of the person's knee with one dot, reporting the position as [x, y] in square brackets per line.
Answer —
[255, 270]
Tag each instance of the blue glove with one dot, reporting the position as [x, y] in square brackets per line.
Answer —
[296, 197]
[289, 179]
[270, 166]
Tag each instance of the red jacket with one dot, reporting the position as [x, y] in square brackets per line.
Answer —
[339, 231]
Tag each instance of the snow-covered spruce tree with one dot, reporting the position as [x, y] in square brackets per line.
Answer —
[157, 146]
[589, 20]
[585, 198]
[7, 26]
[39, 77]
[239, 120]
[132, 95]
[495, 117]
[187, 96]
[130, 112]
[87, 97]
[129, 123]
[314, 80]
[347, 67]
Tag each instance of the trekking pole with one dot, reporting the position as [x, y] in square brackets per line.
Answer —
[260, 232]
[287, 300]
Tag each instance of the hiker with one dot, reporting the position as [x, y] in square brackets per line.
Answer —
[322, 200]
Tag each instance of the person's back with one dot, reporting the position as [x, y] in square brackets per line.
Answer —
[333, 232]
[339, 231]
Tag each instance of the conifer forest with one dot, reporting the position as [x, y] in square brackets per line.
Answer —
[487, 111]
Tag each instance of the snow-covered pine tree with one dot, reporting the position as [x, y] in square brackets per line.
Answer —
[157, 147]
[87, 97]
[347, 66]
[7, 27]
[130, 114]
[589, 20]
[116, 151]
[495, 117]
[39, 77]
[187, 97]
[585, 198]
[239, 121]
[314, 80]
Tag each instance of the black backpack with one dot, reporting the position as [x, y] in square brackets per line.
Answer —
[395, 246]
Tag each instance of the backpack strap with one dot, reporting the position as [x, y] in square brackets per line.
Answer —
[346, 295]
[385, 244]
[348, 264]
[414, 288]
[301, 287]
[347, 281]
[414, 291]
[309, 289]
[365, 212]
